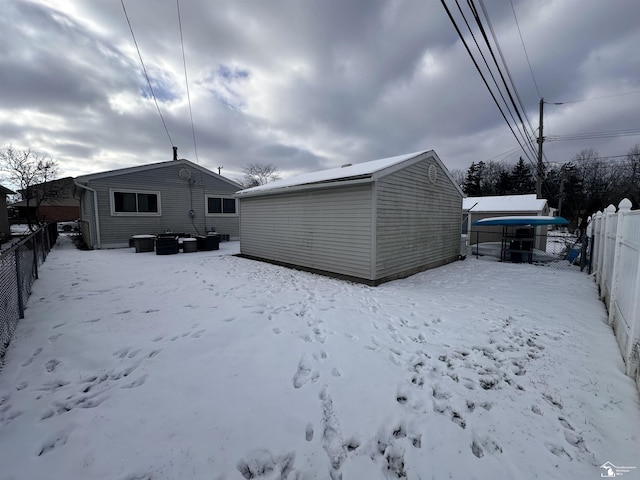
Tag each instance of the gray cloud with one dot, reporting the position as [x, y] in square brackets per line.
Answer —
[304, 85]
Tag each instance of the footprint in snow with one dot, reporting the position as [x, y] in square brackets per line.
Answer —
[303, 374]
[54, 441]
[136, 383]
[558, 451]
[535, 409]
[51, 365]
[552, 401]
[35, 353]
[485, 444]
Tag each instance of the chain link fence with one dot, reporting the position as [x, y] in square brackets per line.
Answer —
[555, 249]
[18, 270]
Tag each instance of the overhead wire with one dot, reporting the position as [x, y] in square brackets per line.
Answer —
[588, 136]
[145, 72]
[508, 90]
[525, 49]
[479, 23]
[530, 149]
[599, 98]
[466, 46]
[506, 67]
[186, 81]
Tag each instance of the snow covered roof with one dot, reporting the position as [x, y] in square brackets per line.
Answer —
[347, 172]
[504, 203]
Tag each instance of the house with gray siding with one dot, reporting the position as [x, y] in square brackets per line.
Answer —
[177, 196]
[371, 222]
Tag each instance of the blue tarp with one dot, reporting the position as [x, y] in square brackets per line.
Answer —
[521, 221]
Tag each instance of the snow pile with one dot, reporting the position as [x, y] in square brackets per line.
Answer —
[210, 366]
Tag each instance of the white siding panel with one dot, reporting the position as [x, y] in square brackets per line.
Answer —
[327, 230]
[418, 221]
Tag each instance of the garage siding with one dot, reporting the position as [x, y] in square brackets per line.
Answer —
[328, 229]
[418, 220]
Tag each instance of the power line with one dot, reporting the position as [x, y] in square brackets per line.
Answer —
[145, 72]
[525, 49]
[506, 67]
[588, 136]
[186, 81]
[598, 98]
[466, 46]
[478, 21]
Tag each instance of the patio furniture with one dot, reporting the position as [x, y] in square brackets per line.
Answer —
[166, 244]
[208, 242]
[143, 243]
[189, 245]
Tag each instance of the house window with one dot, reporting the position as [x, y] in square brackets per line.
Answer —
[221, 206]
[135, 202]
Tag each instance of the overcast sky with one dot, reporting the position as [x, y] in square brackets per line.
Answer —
[308, 84]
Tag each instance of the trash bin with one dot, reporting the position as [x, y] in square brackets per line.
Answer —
[189, 245]
[166, 245]
[143, 243]
[209, 242]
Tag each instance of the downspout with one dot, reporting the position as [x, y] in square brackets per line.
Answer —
[95, 207]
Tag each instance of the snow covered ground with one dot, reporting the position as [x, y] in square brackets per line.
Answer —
[210, 366]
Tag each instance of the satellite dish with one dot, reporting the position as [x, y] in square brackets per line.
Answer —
[184, 174]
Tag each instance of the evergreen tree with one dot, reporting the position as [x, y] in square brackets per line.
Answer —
[522, 181]
[473, 182]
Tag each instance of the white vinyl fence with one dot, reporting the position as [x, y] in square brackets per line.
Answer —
[616, 264]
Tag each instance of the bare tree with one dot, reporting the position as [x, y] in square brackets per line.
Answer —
[30, 173]
[631, 186]
[458, 175]
[259, 173]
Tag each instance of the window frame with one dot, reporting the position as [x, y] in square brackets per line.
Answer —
[223, 198]
[112, 201]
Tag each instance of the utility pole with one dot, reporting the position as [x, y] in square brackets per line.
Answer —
[540, 167]
[219, 168]
[561, 192]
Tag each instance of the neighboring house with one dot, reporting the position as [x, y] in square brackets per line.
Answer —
[59, 204]
[476, 208]
[177, 196]
[5, 231]
[371, 222]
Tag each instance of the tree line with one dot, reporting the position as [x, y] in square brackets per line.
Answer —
[577, 189]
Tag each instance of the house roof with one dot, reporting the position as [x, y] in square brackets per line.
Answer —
[152, 166]
[361, 171]
[504, 203]
[59, 193]
[6, 191]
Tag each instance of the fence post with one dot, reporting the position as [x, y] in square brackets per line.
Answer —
[19, 282]
[630, 360]
[624, 207]
[608, 213]
[35, 254]
[597, 246]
